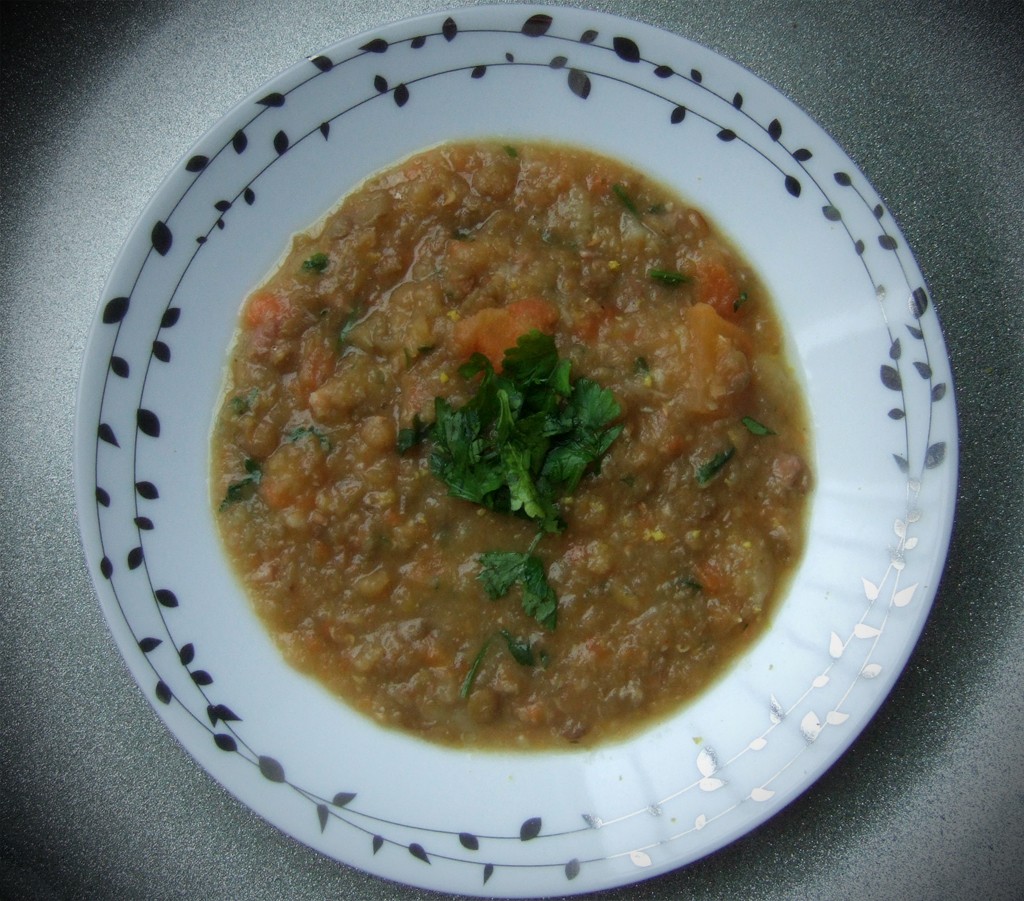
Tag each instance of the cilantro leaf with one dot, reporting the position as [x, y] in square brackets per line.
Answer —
[502, 570]
[707, 471]
[410, 437]
[243, 488]
[316, 263]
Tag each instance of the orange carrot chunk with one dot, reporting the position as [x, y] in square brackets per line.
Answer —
[492, 331]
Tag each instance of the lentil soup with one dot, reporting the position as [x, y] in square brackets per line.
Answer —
[470, 618]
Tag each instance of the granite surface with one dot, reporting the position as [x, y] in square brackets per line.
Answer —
[99, 100]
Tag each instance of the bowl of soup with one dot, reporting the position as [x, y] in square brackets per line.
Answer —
[515, 451]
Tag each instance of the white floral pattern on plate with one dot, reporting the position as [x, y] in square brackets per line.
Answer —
[864, 337]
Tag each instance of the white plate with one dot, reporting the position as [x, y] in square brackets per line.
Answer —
[864, 337]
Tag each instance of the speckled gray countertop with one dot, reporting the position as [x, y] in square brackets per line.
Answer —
[99, 100]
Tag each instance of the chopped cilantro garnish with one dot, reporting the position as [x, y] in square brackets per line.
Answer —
[527, 436]
[316, 263]
[627, 201]
[519, 648]
[668, 276]
[243, 403]
[756, 428]
[739, 301]
[304, 431]
[243, 488]
[511, 151]
[502, 570]
[707, 471]
[410, 437]
[524, 440]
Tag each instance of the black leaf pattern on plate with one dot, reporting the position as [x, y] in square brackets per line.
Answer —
[416, 850]
[377, 45]
[221, 713]
[916, 332]
[115, 310]
[879, 211]
[170, 317]
[558, 62]
[939, 391]
[572, 869]
[842, 179]
[891, 378]
[201, 677]
[530, 829]
[858, 246]
[664, 71]
[148, 422]
[802, 155]
[161, 238]
[249, 196]
[222, 206]
[271, 769]
[418, 42]
[696, 76]
[935, 455]
[106, 433]
[341, 799]
[469, 841]
[147, 490]
[275, 98]
[166, 598]
[225, 742]
[322, 63]
[588, 36]
[325, 129]
[678, 114]
[102, 497]
[537, 25]
[737, 100]
[135, 558]
[106, 568]
[478, 71]
[449, 29]
[897, 413]
[887, 242]
[626, 49]
[163, 693]
[187, 653]
[831, 213]
[197, 163]
[923, 370]
[380, 83]
[119, 366]
[579, 83]
[378, 843]
[901, 462]
[321, 815]
[239, 142]
[792, 185]
[488, 872]
[775, 129]
[401, 95]
[918, 303]
[161, 351]
[726, 134]
[895, 349]
[280, 142]
[149, 644]
[144, 523]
